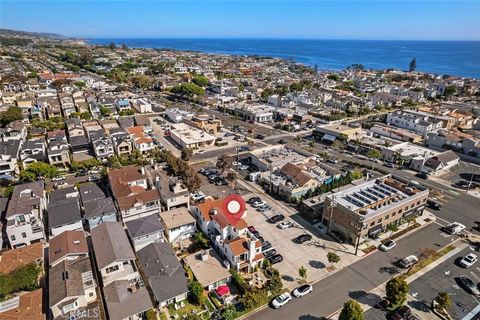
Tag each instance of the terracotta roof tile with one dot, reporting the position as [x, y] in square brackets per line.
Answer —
[13, 259]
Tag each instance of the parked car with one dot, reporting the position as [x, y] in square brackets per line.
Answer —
[390, 165]
[276, 218]
[241, 149]
[197, 196]
[332, 160]
[60, 185]
[468, 285]
[257, 204]
[94, 171]
[302, 291]
[432, 204]
[281, 300]
[81, 173]
[454, 228]
[270, 253]
[221, 182]
[266, 245]
[201, 152]
[276, 259]
[407, 262]
[422, 175]
[255, 233]
[402, 313]
[285, 224]
[243, 167]
[468, 261]
[253, 200]
[251, 229]
[387, 245]
[264, 208]
[302, 238]
[282, 141]
[260, 238]
[58, 178]
[93, 179]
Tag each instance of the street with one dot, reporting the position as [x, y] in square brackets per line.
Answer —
[357, 279]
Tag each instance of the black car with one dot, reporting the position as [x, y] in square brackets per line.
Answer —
[81, 173]
[253, 200]
[255, 233]
[302, 238]
[432, 204]
[468, 285]
[221, 182]
[266, 245]
[422, 175]
[270, 253]
[276, 259]
[241, 149]
[282, 141]
[260, 238]
[276, 218]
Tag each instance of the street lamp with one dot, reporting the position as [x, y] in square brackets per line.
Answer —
[358, 237]
[333, 204]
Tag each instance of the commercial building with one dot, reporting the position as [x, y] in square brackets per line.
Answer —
[190, 137]
[338, 131]
[366, 209]
[255, 113]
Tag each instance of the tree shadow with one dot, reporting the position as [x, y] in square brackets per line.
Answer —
[356, 294]
[286, 277]
[390, 270]
[369, 299]
[316, 264]
[419, 305]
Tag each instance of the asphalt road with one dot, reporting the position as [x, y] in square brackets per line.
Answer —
[356, 280]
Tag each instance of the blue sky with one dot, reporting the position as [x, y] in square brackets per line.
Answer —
[381, 19]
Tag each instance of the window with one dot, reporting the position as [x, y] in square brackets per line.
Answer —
[90, 294]
[372, 224]
[379, 221]
[111, 269]
[20, 219]
[387, 216]
[13, 238]
[24, 234]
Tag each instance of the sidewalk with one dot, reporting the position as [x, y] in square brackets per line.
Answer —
[375, 296]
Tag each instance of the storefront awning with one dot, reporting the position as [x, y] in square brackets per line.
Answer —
[374, 231]
[329, 137]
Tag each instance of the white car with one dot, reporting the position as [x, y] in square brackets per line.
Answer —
[302, 291]
[94, 171]
[281, 300]
[60, 185]
[93, 179]
[388, 245]
[258, 204]
[454, 228]
[59, 178]
[285, 224]
[201, 152]
[408, 261]
[469, 260]
[197, 196]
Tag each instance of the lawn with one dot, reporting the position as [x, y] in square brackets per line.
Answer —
[188, 309]
[425, 262]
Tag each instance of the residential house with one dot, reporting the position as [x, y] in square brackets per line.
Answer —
[27, 305]
[126, 301]
[68, 245]
[74, 127]
[236, 245]
[172, 192]
[25, 214]
[33, 151]
[145, 230]
[13, 259]
[142, 106]
[113, 254]
[96, 206]
[67, 104]
[135, 197]
[64, 211]
[179, 224]
[122, 142]
[72, 287]
[440, 163]
[164, 273]
[102, 145]
[15, 130]
[208, 269]
[9, 152]
[58, 154]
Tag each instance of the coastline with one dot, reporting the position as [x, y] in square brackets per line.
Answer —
[456, 58]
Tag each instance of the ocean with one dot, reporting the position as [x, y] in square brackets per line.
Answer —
[459, 58]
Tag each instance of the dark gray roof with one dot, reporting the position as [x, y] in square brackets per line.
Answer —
[125, 122]
[143, 226]
[60, 194]
[123, 302]
[10, 147]
[110, 243]
[21, 201]
[63, 212]
[90, 191]
[66, 278]
[99, 207]
[79, 141]
[163, 270]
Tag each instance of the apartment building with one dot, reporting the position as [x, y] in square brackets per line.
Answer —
[364, 210]
[420, 123]
[25, 214]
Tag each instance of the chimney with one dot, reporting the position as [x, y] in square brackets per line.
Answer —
[204, 255]
[142, 169]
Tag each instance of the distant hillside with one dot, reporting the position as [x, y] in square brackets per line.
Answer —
[26, 34]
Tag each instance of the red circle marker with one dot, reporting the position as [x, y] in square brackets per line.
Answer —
[234, 206]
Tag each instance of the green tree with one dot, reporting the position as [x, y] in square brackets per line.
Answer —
[188, 89]
[449, 91]
[297, 86]
[444, 301]
[238, 281]
[200, 80]
[413, 65]
[104, 111]
[42, 169]
[333, 77]
[141, 81]
[191, 180]
[229, 312]
[124, 46]
[351, 311]
[302, 272]
[224, 162]
[11, 114]
[27, 176]
[374, 154]
[396, 290]
[231, 176]
[333, 257]
[196, 293]
[186, 154]
[112, 46]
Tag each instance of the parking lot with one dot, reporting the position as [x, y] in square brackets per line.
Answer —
[460, 172]
[310, 254]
